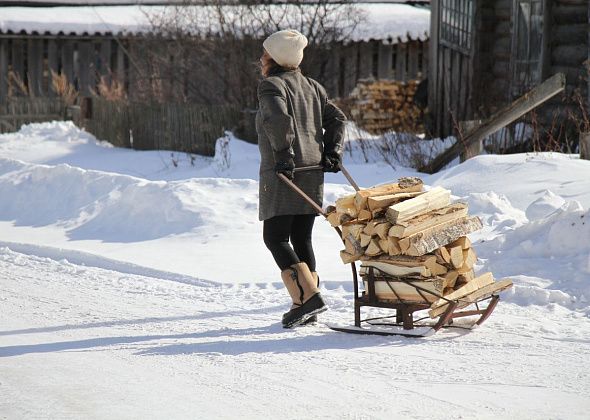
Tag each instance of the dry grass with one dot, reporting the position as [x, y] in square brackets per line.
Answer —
[63, 88]
[16, 86]
[111, 90]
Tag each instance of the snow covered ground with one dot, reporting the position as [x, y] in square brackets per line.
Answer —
[136, 285]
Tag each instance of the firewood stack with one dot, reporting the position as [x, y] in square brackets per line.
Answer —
[401, 231]
[378, 106]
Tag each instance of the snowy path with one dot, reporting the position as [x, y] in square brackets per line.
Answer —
[86, 342]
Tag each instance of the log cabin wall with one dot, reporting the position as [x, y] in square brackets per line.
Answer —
[568, 49]
[494, 78]
[492, 84]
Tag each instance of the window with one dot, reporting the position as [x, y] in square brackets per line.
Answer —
[527, 45]
[456, 24]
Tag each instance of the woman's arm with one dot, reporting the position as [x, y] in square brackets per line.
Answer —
[276, 121]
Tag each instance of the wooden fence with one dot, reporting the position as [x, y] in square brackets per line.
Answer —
[31, 59]
[190, 128]
[19, 111]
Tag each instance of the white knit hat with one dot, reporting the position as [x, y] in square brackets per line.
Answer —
[286, 47]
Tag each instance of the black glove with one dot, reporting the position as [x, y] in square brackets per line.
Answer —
[331, 162]
[286, 167]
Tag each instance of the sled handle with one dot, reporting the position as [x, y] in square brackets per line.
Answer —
[302, 193]
[318, 167]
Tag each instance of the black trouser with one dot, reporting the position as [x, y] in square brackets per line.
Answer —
[279, 229]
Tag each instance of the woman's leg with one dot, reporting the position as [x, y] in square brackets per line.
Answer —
[301, 230]
[276, 231]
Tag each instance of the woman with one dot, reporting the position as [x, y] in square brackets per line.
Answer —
[297, 126]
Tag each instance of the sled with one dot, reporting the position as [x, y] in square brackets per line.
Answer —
[406, 296]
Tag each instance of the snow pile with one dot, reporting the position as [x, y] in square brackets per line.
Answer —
[146, 268]
[89, 204]
[62, 188]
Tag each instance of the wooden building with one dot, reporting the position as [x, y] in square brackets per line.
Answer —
[485, 53]
[87, 42]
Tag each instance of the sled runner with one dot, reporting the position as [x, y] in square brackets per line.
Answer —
[408, 295]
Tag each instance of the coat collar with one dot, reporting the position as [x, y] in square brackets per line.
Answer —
[276, 70]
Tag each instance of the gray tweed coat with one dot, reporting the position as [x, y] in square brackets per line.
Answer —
[294, 118]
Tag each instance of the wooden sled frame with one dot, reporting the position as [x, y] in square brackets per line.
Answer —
[404, 310]
[404, 316]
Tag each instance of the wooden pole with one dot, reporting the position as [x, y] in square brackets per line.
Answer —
[585, 145]
[502, 118]
[475, 148]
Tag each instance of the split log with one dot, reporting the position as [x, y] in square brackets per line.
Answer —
[334, 219]
[430, 239]
[437, 269]
[469, 257]
[406, 228]
[382, 201]
[373, 249]
[353, 246]
[463, 242]
[425, 260]
[468, 299]
[456, 254]
[408, 184]
[406, 292]
[345, 205]
[444, 254]
[394, 248]
[382, 230]
[464, 278]
[348, 258]
[436, 198]
[354, 229]
[364, 215]
[470, 287]
[384, 245]
[395, 270]
[365, 239]
[450, 278]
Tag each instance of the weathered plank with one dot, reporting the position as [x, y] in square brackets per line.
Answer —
[3, 69]
[104, 68]
[366, 59]
[447, 111]
[502, 118]
[474, 296]
[52, 64]
[384, 68]
[67, 60]
[18, 59]
[35, 66]
[401, 55]
[413, 63]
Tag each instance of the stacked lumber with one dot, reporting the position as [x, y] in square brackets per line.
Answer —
[378, 106]
[399, 231]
